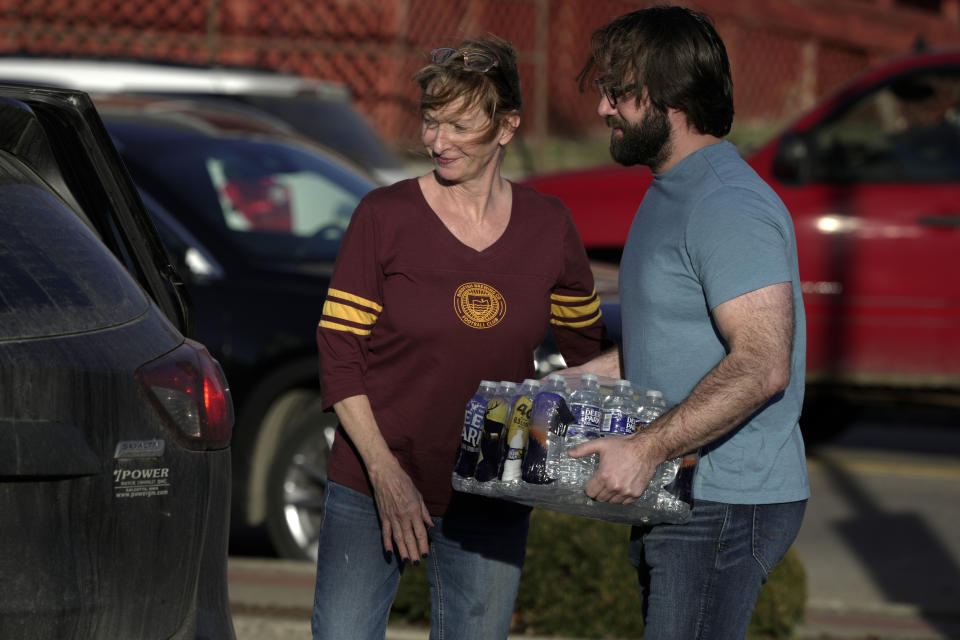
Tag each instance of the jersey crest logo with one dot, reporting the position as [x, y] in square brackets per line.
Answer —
[479, 305]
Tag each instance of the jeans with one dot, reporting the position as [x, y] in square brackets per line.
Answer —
[473, 568]
[700, 580]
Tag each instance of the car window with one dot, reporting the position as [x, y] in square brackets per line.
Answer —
[187, 252]
[905, 130]
[263, 199]
[57, 136]
[336, 124]
[271, 199]
[56, 277]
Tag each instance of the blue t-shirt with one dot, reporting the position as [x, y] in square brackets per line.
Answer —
[709, 230]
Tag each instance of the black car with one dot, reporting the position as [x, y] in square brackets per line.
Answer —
[114, 428]
[253, 216]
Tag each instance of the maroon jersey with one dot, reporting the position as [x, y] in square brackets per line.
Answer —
[415, 319]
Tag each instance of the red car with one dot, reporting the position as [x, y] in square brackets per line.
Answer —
[871, 177]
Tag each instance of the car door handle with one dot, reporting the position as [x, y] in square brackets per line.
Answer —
[939, 221]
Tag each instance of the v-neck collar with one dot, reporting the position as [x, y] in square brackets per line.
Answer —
[453, 240]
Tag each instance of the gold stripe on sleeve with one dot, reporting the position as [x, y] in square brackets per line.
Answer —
[345, 312]
[559, 298]
[349, 297]
[336, 326]
[575, 312]
[576, 325]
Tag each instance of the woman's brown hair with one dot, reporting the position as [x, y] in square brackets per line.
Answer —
[496, 91]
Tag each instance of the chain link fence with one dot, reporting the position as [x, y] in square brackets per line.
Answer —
[784, 55]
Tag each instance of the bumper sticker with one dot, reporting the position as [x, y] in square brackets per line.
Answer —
[141, 483]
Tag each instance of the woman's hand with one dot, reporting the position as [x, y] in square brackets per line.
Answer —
[400, 505]
[403, 515]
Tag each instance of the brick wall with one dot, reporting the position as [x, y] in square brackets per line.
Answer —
[784, 53]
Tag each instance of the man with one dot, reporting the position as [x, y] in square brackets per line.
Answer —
[712, 317]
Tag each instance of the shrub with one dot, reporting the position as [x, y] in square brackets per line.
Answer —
[783, 600]
[412, 604]
[577, 583]
[576, 579]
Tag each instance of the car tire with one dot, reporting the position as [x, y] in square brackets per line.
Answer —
[296, 484]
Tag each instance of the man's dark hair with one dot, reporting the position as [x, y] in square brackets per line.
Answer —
[676, 55]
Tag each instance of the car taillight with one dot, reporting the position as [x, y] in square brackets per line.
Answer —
[189, 391]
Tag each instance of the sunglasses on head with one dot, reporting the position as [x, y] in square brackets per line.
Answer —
[473, 60]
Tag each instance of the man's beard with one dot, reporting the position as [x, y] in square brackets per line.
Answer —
[647, 143]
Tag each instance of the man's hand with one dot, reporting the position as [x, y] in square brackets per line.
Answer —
[626, 466]
[403, 515]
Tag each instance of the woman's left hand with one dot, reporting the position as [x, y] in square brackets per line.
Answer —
[403, 514]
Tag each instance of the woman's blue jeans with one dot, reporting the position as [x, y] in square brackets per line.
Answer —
[473, 567]
[700, 580]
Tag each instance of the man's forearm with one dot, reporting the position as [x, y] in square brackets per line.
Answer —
[730, 393]
[758, 327]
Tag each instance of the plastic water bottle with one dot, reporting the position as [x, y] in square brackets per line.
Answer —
[619, 410]
[544, 444]
[494, 428]
[473, 429]
[585, 406]
[518, 428]
[652, 408]
[587, 418]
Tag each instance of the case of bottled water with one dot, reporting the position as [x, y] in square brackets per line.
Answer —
[542, 423]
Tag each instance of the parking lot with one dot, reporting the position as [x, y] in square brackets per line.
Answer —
[878, 543]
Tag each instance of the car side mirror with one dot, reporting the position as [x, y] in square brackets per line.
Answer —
[793, 163]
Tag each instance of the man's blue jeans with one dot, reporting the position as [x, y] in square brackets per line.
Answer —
[473, 568]
[700, 580]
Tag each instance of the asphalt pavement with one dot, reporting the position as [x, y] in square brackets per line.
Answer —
[879, 543]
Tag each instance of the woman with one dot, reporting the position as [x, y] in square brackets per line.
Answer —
[440, 282]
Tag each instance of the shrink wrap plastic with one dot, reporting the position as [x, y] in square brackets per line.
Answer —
[667, 499]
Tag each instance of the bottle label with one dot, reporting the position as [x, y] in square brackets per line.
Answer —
[616, 421]
[495, 416]
[470, 437]
[518, 428]
[520, 419]
[586, 417]
[473, 422]
[550, 415]
[493, 425]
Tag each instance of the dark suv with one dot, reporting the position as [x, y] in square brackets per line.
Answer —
[114, 428]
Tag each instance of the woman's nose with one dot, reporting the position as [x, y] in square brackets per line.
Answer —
[437, 139]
